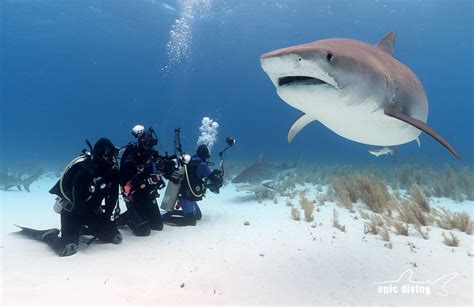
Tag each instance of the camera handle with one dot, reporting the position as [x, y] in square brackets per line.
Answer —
[221, 153]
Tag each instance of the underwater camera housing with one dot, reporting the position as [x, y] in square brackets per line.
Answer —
[215, 181]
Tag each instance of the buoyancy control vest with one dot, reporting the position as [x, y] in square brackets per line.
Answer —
[64, 187]
[140, 170]
[192, 187]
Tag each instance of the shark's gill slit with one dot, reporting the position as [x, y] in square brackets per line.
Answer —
[299, 80]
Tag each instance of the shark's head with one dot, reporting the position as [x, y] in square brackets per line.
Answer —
[311, 76]
[346, 85]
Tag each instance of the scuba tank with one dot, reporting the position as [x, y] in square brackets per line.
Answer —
[62, 187]
[172, 190]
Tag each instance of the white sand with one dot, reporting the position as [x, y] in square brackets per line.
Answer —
[274, 260]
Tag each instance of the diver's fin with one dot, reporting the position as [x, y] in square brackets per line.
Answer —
[299, 124]
[394, 112]
[180, 220]
[38, 234]
[418, 141]
[387, 43]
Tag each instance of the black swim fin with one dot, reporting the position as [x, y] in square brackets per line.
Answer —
[180, 220]
[38, 234]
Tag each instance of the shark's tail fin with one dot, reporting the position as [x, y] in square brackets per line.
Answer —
[298, 162]
[28, 181]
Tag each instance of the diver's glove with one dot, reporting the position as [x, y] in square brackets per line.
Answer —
[127, 189]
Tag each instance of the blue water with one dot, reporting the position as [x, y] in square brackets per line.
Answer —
[72, 70]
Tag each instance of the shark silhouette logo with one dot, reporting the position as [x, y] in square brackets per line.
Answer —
[406, 285]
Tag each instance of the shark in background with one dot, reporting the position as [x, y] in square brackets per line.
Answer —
[383, 151]
[359, 91]
[262, 176]
[8, 180]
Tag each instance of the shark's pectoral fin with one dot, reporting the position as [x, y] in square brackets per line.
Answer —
[394, 112]
[268, 184]
[299, 124]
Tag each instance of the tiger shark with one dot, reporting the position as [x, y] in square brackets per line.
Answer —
[359, 91]
[8, 181]
[261, 176]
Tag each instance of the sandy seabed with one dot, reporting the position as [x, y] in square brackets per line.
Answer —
[274, 260]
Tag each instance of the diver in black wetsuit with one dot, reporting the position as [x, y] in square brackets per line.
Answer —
[87, 181]
[141, 170]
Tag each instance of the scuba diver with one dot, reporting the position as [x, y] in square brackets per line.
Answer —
[141, 170]
[88, 180]
[197, 179]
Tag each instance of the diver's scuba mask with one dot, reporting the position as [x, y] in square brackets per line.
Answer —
[109, 156]
[147, 139]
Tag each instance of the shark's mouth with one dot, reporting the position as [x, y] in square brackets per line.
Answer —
[300, 80]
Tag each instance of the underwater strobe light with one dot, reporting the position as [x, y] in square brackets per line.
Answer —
[230, 141]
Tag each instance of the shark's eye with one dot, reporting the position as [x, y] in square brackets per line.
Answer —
[329, 57]
[299, 59]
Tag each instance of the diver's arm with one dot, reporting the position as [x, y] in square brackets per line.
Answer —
[128, 168]
[203, 171]
[129, 173]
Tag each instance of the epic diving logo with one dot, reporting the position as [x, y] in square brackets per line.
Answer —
[405, 285]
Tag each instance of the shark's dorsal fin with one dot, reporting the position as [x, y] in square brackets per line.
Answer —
[394, 112]
[299, 124]
[387, 43]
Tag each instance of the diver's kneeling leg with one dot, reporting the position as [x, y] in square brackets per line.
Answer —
[139, 225]
[153, 214]
[189, 220]
[156, 222]
[198, 212]
[142, 229]
[110, 234]
[68, 243]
